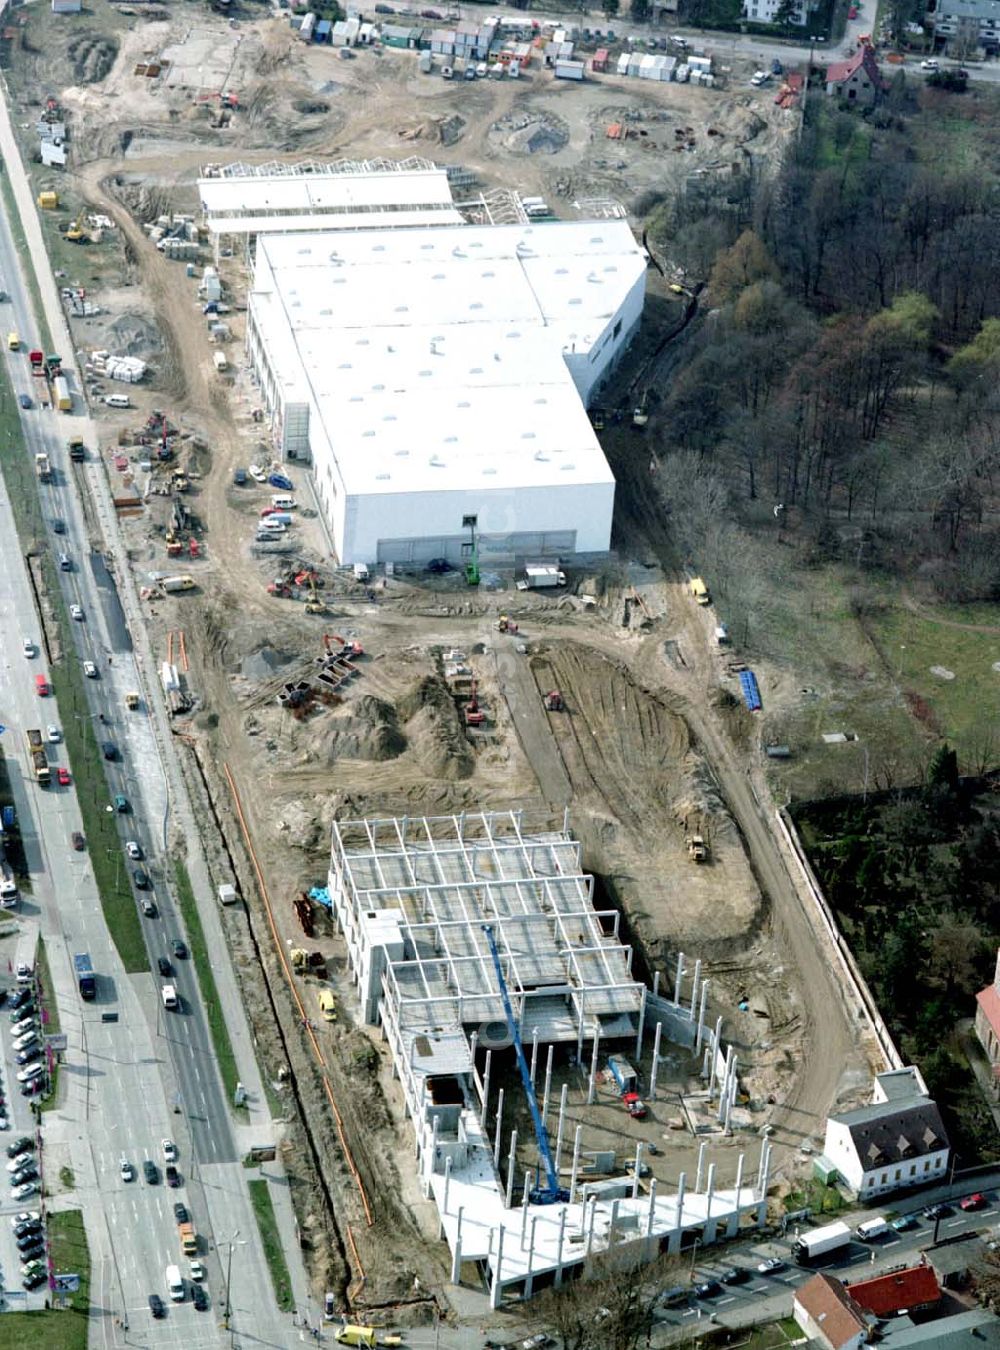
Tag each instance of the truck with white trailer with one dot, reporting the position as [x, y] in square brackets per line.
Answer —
[817, 1242]
[540, 576]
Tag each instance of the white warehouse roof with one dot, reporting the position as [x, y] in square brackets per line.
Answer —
[304, 194]
[437, 357]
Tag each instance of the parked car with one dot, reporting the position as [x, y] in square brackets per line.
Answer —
[975, 1201]
[22, 1191]
[19, 1159]
[26, 1216]
[905, 1223]
[937, 1211]
[125, 1170]
[770, 1265]
[22, 1145]
[707, 1289]
[734, 1275]
[930, 65]
[18, 1000]
[34, 1280]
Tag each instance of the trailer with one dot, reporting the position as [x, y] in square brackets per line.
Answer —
[60, 394]
[625, 1076]
[750, 690]
[172, 584]
[85, 978]
[36, 752]
[817, 1242]
[539, 577]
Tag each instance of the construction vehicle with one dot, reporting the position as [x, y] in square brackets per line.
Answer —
[640, 416]
[554, 701]
[132, 701]
[315, 607]
[597, 418]
[634, 1105]
[471, 550]
[697, 849]
[77, 449]
[700, 591]
[36, 751]
[474, 715]
[76, 234]
[61, 396]
[303, 907]
[506, 625]
[366, 1336]
[551, 1193]
[48, 201]
[43, 468]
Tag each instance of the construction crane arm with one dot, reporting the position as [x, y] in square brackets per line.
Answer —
[552, 1191]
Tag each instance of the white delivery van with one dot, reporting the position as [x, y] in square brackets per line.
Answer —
[118, 401]
[169, 994]
[283, 502]
[871, 1229]
[175, 1285]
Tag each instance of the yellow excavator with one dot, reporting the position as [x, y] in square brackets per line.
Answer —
[76, 233]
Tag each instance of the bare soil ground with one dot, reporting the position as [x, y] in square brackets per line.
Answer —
[642, 755]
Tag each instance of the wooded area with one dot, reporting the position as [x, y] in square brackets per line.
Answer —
[914, 880]
[847, 362]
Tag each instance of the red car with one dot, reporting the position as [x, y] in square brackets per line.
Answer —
[974, 1201]
[634, 1105]
[63, 777]
[852, 13]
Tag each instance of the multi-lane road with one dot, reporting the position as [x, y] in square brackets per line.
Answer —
[148, 1075]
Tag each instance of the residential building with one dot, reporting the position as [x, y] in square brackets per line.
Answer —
[988, 1024]
[828, 1315]
[975, 20]
[858, 79]
[971, 1329]
[766, 11]
[896, 1142]
[915, 1289]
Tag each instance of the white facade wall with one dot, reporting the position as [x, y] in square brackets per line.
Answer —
[814, 1330]
[763, 11]
[839, 1149]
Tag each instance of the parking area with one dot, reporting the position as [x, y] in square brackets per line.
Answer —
[24, 1258]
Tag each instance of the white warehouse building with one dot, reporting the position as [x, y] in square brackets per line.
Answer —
[433, 374]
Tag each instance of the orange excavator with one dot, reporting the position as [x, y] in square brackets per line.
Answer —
[474, 715]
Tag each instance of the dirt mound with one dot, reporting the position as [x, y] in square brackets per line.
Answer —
[92, 55]
[434, 732]
[367, 729]
[525, 133]
[265, 662]
[311, 107]
[133, 335]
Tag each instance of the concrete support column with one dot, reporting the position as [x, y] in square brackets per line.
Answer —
[716, 1048]
[635, 1174]
[429, 1169]
[559, 1249]
[642, 1025]
[548, 1084]
[486, 1084]
[456, 1254]
[524, 1207]
[694, 987]
[733, 1226]
[590, 1225]
[677, 979]
[576, 1161]
[444, 1204]
[651, 1212]
[592, 1084]
[656, 1061]
[613, 1223]
[701, 1167]
[710, 1192]
[496, 1138]
[562, 1121]
[656, 984]
[529, 1279]
[496, 1288]
[706, 1064]
[511, 1164]
[699, 1037]
[681, 1188]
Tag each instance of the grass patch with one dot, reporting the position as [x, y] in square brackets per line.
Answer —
[66, 1178]
[260, 1198]
[57, 1328]
[48, 992]
[206, 982]
[951, 709]
[817, 1197]
[775, 1335]
[110, 872]
[31, 276]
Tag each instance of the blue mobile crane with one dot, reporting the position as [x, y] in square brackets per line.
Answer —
[551, 1193]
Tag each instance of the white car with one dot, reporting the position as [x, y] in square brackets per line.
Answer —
[25, 972]
[23, 1191]
[169, 1150]
[930, 65]
[76, 612]
[133, 850]
[197, 1271]
[28, 647]
[127, 1170]
[758, 78]
[19, 1161]
[258, 475]
[90, 670]
[32, 1071]
[22, 1042]
[53, 733]
[27, 1216]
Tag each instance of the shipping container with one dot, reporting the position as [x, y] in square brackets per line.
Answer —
[60, 394]
[570, 70]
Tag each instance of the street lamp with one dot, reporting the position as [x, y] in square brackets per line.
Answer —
[229, 1271]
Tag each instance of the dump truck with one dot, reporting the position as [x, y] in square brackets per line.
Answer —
[188, 1238]
[77, 449]
[537, 578]
[36, 749]
[700, 591]
[42, 467]
[131, 700]
[171, 584]
[60, 394]
[817, 1242]
[697, 849]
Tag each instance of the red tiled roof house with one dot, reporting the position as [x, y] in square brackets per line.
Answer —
[858, 79]
[900, 1291]
[828, 1314]
[988, 1024]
